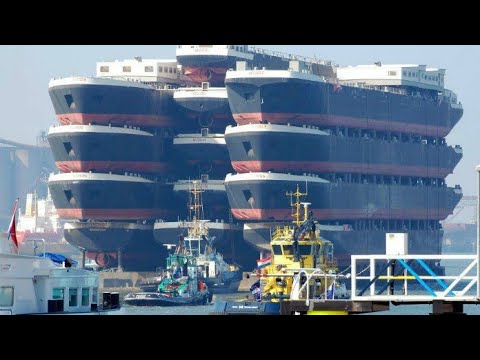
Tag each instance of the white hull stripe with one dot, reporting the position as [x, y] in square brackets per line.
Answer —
[271, 128]
[68, 129]
[95, 177]
[95, 81]
[272, 177]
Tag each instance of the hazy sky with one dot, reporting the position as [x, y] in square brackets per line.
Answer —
[25, 71]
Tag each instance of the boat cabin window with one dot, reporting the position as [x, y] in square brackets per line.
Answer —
[305, 249]
[85, 296]
[6, 295]
[287, 249]
[148, 68]
[72, 297]
[58, 293]
[277, 250]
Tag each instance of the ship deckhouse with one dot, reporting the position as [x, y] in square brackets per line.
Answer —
[419, 76]
[139, 69]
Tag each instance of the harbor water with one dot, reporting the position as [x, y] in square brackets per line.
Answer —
[206, 309]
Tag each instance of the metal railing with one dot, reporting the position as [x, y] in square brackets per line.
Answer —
[288, 56]
[452, 287]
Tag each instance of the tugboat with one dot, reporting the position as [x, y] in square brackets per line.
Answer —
[296, 251]
[179, 287]
[213, 270]
[295, 248]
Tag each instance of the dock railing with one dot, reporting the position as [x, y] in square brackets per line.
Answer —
[419, 281]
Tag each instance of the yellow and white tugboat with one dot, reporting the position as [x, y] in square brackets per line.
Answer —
[301, 266]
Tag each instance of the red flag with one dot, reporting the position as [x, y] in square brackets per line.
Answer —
[11, 228]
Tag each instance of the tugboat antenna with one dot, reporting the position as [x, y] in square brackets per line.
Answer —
[296, 205]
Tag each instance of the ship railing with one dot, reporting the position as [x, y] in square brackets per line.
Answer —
[288, 56]
[417, 277]
[376, 87]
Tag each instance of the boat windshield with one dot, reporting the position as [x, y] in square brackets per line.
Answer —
[305, 249]
[287, 249]
[277, 249]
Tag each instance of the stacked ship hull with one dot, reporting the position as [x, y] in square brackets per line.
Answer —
[97, 101]
[254, 196]
[259, 148]
[371, 155]
[124, 147]
[115, 185]
[86, 196]
[204, 155]
[84, 148]
[372, 159]
[283, 97]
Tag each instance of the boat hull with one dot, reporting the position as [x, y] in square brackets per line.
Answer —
[261, 196]
[84, 148]
[99, 236]
[158, 299]
[85, 196]
[205, 108]
[96, 101]
[278, 148]
[141, 253]
[299, 99]
[201, 155]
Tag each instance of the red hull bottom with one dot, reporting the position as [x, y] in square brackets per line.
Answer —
[335, 120]
[334, 214]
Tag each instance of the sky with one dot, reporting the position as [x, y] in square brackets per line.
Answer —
[26, 109]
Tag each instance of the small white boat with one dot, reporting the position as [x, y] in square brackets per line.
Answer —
[41, 284]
